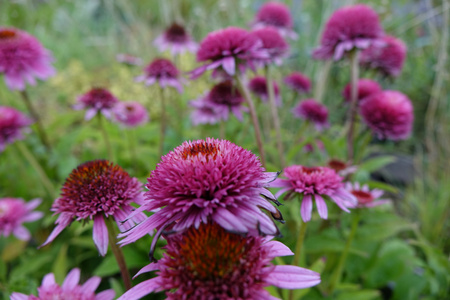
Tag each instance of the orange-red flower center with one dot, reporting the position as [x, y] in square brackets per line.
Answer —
[309, 170]
[7, 34]
[205, 148]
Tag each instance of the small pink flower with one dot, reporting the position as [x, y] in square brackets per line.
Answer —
[205, 112]
[93, 191]
[314, 184]
[298, 82]
[14, 212]
[13, 124]
[365, 196]
[366, 87]
[176, 39]
[212, 263]
[341, 167]
[164, 72]
[274, 43]
[23, 58]
[275, 14]
[313, 111]
[130, 114]
[389, 114]
[349, 27]
[70, 289]
[97, 100]
[128, 59]
[258, 85]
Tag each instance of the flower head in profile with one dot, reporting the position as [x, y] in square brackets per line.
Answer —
[97, 100]
[14, 212]
[277, 15]
[277, 48]
[314, 184]
[258, 86]
[130, 114]
[128, 59]
[313, 111]
[298, 82]
[176, 39]
[366, 87]
[70, 289]
[13, 124]
[162, 71]
[365, 196]
[212, 263]
[23, 59]
[341, 167]
[93, 191]
[389, 114]
[349, 27]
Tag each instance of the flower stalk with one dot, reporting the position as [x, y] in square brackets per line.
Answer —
[105, 137]
[354, 73]
[162, 132]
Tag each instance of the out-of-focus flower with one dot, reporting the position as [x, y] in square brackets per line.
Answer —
[389, 114]
[341, 167]
[93, 191]
[212, 263]
[316, 145]
[365, 196]
[23, 58]
[349, 27]
[366, 87]
[313, 111]
[129, 59]
[14, 212]
[130, 114]
[298, 82]
[275, 14]
[274, 43]
[258, 86]
[97, 100]
[164, 72]
[13, 124]
[314, 184]
[176, 39]
[204, 112]
[69, 290]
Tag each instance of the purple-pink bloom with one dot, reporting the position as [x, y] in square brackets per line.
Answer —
[349, 27]
[97, 100]
[212, 263]
[69, 290]
[314, 184]
[130, 114]
[313, 111]
[274, 43]
[365, 196]
[205, 112]
[258, 86]
[277, 15]
[341, 167]
[23, 58]
[14, 212]
[366, 87]
[162, 71]
[390, 114]
[128, 59]
[176, 39]
[13, 124]
[298, 82]
[93, 191]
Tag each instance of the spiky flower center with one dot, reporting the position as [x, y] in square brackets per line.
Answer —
[362, 197]
[176, 33]
[225, 93]
[208, 149]
[7, 34]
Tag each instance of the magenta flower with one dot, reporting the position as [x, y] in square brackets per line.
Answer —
[70, 289]
[97, 100]
[14, 212]
[366, 87]
[365, 196]
[298, 82]
[13, 124]
[211, 263]
[205, 112]
[23, 58]
[258, 85]
[313, 111]
[341, 167]
[227, 49]
[314, 184]
[208, 181]
[130, 114]
[275, 14]
[176, 39]
[94, 190]
[274, 43]
[387, 57]
[164, 72]
[349, 27]
[128, 59]
[389, 114]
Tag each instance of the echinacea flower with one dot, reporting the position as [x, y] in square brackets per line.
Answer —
[365, 196]
[366, 87]
[341, 167]
[13, 124]
[23, 58]
[93, 191]
[14, 212]
[314, 184]
[163, 72]
[205, 112]
[97, 100]
[274, 43]
[275, 14]
[387, 57]
[313, 111]
[389, 114]
[128, 59]
[176, 39]
[349, 27]
[212, 263]
[298, 82]
[130, 114]
[258, 86]
[69, 290]
[208, 181]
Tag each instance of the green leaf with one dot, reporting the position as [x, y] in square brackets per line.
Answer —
[359, 295]
[375, 163]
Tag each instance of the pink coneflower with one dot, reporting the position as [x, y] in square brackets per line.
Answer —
[97, 100]
[205, 112]
[14, 212]
[130, 114]
[366, 87]
[70, 289]
[341, 167]
[365, 196]
[164, 72]
[258, 85]
[13, 124]
[176, 39]
[277, 15]
[93, 191]
[389, 114]
[349, 27]
[229, 48]
[388, 57]
[212, 263]
[23, 58]
[208, 181]
[128, 59]
[313, 111]
[298, 82]
[314, 184]
[274, 43]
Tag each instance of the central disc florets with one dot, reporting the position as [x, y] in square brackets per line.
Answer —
[7, 34]
[225, 93]
[204, 147]
[362, 196]
[176, 33]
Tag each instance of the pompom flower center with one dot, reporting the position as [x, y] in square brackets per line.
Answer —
[176, 33]
[207, 149]
[7, 34]
[362, 197]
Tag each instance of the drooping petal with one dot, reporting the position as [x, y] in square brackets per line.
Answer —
[321, 207]
[292, 277]
[100, 234]
[306, 208]
[142, 289]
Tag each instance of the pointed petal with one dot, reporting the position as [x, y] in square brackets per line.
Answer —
[278, 249]
[100, 234]
[105, 295]
[148, 268]
[306, 208]
[228, 221]
[71, 280]
[142, 289]
[91, 285]
[48, 280]
[229, 65]
[63, 221]
[19, 296]
[321, 207]
[292, 277]
[21, 233]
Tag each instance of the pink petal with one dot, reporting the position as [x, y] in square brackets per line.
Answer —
[321, 207]
[229, 65]
[36, 215]
[48, 280]
[278, 249]
[63, 221]
[228, 221]
[71, 280]
[21, 233]
[148, 268]
[306, 208]
[33, 203]
[292, 277]
[105, 295]
[142, 289]
[100, 234]
[91, 285]
[19, 296]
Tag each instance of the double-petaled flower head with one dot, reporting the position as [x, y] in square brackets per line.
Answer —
[176, 39]
[313, 111]
[298, 82]
[130, 114]
[13, 124]
[93, 191]
[14, 212]
[365, 88]
[23, 58]
[163, 72]
[277, 15]
[97, 100]
[212, 263]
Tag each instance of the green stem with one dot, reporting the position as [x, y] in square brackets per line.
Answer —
[298, 249]
[162, 133]
[221, 129]
[354, 71]
[105, 137]
[132, 147]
